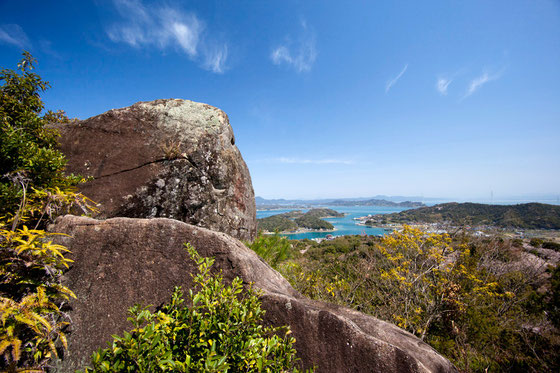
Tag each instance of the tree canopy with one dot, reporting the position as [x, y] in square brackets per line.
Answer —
[31, 167]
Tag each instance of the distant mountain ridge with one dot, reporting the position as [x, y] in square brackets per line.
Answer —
[377, 202]
[393, 201]
[526, 216]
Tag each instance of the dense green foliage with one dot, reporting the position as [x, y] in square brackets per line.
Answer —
[292, 220]
[29, 161]
[30, 295]
[551, 245]
[527, 216]
[477, 301]
[324, 213]
[217, 329]
[536, 242]
[276, 223]
[274, 249]
[313, 222]
[553, 305]
[33, 190]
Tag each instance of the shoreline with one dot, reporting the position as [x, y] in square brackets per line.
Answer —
[303, 230]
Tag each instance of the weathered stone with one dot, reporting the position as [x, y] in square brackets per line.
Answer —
[165, 158]
[122, 261]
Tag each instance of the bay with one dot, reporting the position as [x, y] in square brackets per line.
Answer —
[345, 225]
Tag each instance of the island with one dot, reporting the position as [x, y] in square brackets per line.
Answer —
[521, 216]
[297, 221]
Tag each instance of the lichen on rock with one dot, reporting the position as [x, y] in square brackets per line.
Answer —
[164, 158]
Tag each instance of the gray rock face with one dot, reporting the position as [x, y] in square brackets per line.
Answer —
[165, 158]
[122, 261]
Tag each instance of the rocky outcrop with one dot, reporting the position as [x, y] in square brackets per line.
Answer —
[122, 261]
[165, 158]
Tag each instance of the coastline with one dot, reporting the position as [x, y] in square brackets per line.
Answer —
[302, 230]
[344, 225]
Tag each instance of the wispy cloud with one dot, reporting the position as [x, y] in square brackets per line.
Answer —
[288, 160]
[161, 27]
[300, 55]
[166, 27]
[479, 81]
[442, 84]
[47, 48]
[14, 34]
[215, 58]
[392, 82]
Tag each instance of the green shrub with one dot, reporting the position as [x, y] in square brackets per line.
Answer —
[272, 248]
[313, 222]
[451, 292]
[551, 245]
[217, 330]
[33, 190]
[31, 167]
[517, 242]
[554, 303]
[536, 242]
[277, 223]
[30, 296]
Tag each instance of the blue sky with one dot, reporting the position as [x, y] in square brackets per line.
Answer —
[454, 99]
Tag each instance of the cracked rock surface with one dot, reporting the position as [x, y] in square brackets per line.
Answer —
[165, 158]
[119, 262]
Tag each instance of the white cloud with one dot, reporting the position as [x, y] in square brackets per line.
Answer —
[215, 58]
[161, 27]
[442, 84]
[167, 27]
[392, 82]
[308, 161]
[300, 55]
[479, 81]
[187, 36]
[14, 34]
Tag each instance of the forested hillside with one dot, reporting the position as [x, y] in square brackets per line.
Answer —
[528, 216]
[297, 219]
[488, 304]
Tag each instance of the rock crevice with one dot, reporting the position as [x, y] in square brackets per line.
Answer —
[175, 162]
[132, 169]
[164, 158]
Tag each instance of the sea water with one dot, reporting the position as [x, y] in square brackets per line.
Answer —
[345, 225]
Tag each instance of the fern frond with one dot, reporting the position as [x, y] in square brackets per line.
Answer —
[27, 321]
[53, 348]
[64, 290]
[29, 300]
[43, 321]
[16, 349]
[63, 339]
[4, 344]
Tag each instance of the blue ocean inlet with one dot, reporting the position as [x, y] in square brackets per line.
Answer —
[344, 226]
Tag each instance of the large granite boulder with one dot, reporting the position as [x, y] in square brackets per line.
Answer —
[122, 261]
[164, 158]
